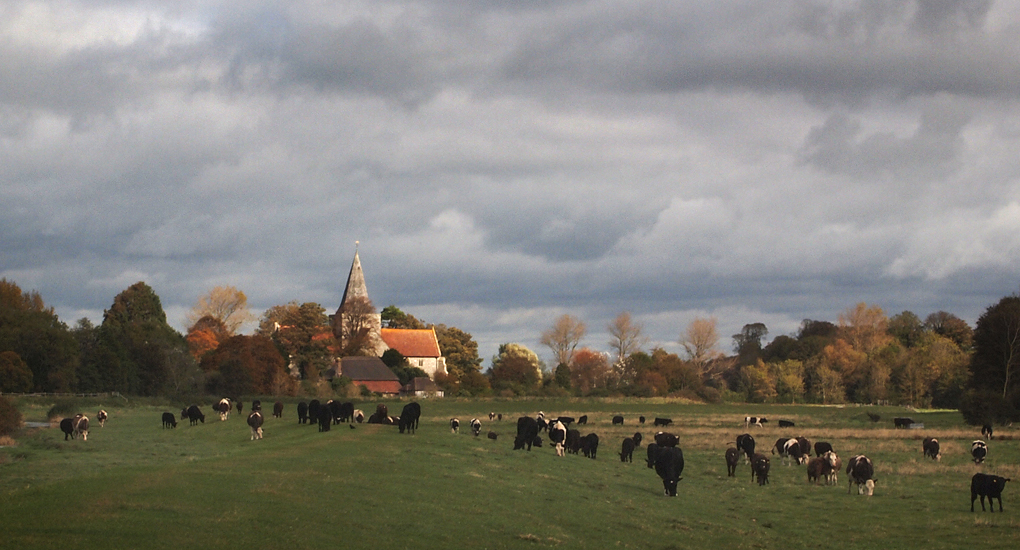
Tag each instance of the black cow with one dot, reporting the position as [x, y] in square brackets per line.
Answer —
[902, 422]
[990, 486]
[664, 439]
[67, 426]
[822, 447]
[931, 448]
[558, 435]
[255, 423]
[732, 458]
[746, 443]
[786, 424]
[669, 465]
[754, 421]
[543, 424]
[652, 453]
[874, 417]
[409, 417]
[256, 406]
[492, 435]
[780, 445]
[334, 410]
[277, 409]
[476, 427]
[986, 431]
[861, 471]
[347, 412]
[527, 431]
[760, 466]
[573, 441]
[978, 450]
[454, 425]
[618, 419]
[566, 420]
[583, 419]
[302, 412]
[637, 439]
[641, 420]
[169, 421]
[662, 421]
[805, 449]
[240, 407]
[590, 445]
[194, 415]
[325, 418]
[627, 451]
[313, 411]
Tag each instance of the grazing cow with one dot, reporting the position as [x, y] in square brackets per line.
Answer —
[662, 422]
[822, 447]
[81, 427]
[791, 449]
[223, 407]
[194, 415]
[652, 453]
[930, 446]
[313, 411]
[67, 426]
[476, 427]
[746, 443]
[780, 445]
[902, 422]
[543, 425]
[492, 435]
[359, 416]
[255, 423]
[527, 431]
[334, 410]
[492, 415]
[627, 451]
[637, 439]
[754, 421]
[573, 441]
[101, 416]
[669, 464]
[409, 417]
[499, 417]
[861, 471]
[821, 467]
[590, 445]
[537, 442]
[986, 431]
[302, 412]
[990, 486]
[641, 420]
[805, 448]
[566, 420]
[978, 450]
[665, 439]
[325, 418]
[277, 409]
[558, 435]
[454, 425]
[874, 417]
[347, 412]
[169, 421]
[618, 419]
[732, 458]
[786, 424]
[583, 419]
[256, 405]
[760, 466]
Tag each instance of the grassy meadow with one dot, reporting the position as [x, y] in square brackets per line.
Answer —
[136, 485]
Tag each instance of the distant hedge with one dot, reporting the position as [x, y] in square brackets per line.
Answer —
[10, 418]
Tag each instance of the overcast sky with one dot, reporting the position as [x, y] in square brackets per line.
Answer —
[503, 163]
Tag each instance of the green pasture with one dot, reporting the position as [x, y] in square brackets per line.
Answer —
[136, 485]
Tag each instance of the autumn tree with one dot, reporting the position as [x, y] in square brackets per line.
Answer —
[952, 327]
[747, 343]
[15, 376]
[304, 336]
[626, 336]
[353, 326]
[460, 350]
[700, 339]
[907, 328]
[205, 335]
[563, 337]
[244, 365]
[225, 304]
[757, 382]
[33, 331]
[515, 368]
[589, 370]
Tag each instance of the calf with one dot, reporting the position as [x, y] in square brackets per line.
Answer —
[627, 451]
[302, 412]
[476, 427]
[902, 422]
[978, 450]
[861, 471]
[986, 431]
[277, 409]
[786, 424]
[558, 435]
[618, 419]
[101, 416]
[255, 423]
[760, 465]
[492, 435]
[822, 447]
[732, 458]
[669, 464]
[583, 419]
[81, 427]
[590, 446]
[746, 444]
[641, 420]
[652, 453]
[67, 426]
[169, 421]
[527, 431]
[930, 446]
[821, 467]
[637, 439]
[454, 425]
[990, 486]
[664, 439]
[573, 441]
[662, 421]
[754, 421]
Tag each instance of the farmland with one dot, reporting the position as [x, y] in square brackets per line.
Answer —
[134, 485]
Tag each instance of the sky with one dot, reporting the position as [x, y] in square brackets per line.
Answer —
[503, 163]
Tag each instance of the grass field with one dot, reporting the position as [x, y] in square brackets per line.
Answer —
[135, 485]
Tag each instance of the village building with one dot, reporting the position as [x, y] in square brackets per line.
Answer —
[419, 346]
[421, 386]
[371, 373]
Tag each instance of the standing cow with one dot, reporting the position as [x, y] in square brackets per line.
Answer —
[223, 407]
[669, 465]
[193, 414]
[409, 417]
[930, 446]
[986, 431]
[760, 466]
[527, 431]
[821, 467]
[476, 427]
[558, 435]
[755, 421]
[255, 423]
[454, 425]
[978, 450]
[590, 446]
[67, 426]
[990, 486]
[627, 451]
[81, 427]
[618, 419]
[302, 412]
[732, 458]
[169, 421]
[101, 416]
[277, 409]
[745, 443]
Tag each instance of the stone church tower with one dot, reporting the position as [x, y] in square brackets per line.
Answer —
[352, 310]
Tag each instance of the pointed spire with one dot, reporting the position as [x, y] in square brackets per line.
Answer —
[356, 287]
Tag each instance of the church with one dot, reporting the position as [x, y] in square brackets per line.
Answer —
[419, 346]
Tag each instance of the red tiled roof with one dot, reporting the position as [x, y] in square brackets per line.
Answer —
[412, 342]
[366, 368]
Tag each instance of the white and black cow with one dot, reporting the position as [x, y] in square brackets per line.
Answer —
[476, 427]
[454, 425]
[81, 427]
[931, 448]
[101, 416]
[669, 465]
[986, 431]
[169, 421]
[255, 423]
[862, 472]
[760, 466]
[732, 458]
[223, 407]
[558, 435]
[792, 450]
[984, 485]
[359, 416]
[745, 443]
[754, 421]
[978, 451]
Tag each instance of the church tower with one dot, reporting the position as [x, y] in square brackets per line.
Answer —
[355, 316]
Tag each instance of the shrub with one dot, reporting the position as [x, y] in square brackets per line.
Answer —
[63, 409]
[10, 417]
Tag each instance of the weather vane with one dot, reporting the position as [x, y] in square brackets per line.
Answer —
[356, 243]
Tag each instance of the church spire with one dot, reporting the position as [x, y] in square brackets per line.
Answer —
[355, 282]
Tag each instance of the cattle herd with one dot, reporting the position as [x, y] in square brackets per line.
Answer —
[664, 455]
